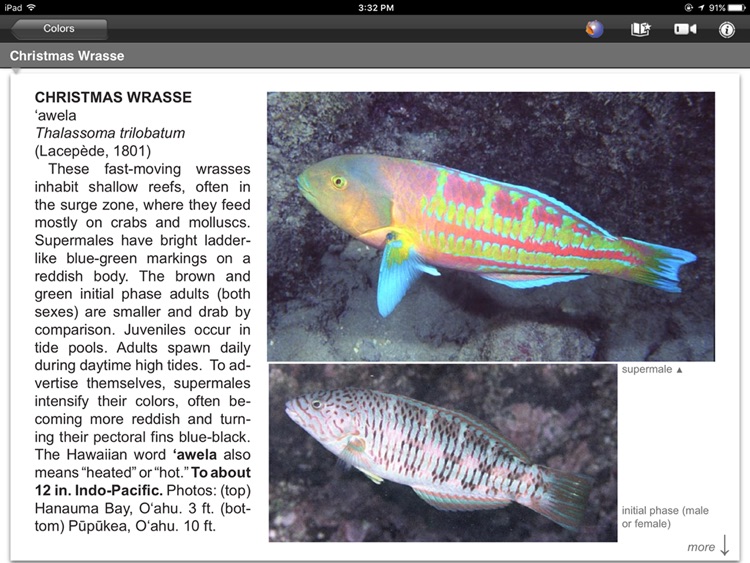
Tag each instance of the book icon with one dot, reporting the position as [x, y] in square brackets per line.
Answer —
[640, 29]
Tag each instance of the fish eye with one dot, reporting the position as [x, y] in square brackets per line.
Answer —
[339, 182]
[316, 404]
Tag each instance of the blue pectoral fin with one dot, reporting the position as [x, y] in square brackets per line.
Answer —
[398, 270]
[527, 281]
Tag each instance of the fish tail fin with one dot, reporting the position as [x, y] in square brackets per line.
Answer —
[661, 265]
[564, 498]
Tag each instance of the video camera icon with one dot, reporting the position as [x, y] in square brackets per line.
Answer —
[685, 28]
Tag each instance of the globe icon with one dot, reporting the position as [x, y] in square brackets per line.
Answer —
[595, 29]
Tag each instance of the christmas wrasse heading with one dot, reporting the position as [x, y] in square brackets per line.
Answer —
[425, 215]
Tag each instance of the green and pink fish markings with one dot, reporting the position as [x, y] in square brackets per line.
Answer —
[452, 460]
[427, 216]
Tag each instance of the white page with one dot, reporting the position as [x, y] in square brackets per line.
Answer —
[667, 422]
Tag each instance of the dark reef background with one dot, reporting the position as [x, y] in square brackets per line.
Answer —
[638, 164]
[564, 416]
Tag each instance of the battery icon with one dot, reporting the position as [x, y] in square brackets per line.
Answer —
[736, 7]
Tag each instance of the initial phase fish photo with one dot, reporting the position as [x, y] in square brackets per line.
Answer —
[443, 453]
[491, 226]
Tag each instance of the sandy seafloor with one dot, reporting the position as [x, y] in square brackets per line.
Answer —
[638, 164]
[563, 416]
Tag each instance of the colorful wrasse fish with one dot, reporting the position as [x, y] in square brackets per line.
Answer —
[425, 215]
[452, 460]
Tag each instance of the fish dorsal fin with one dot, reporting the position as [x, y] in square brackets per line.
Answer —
[492, 432]
[459, 501]
[401, 265]
[526, 281]
[514, 450]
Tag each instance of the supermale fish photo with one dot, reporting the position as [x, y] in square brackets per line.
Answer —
[450, 459]
[425, 216]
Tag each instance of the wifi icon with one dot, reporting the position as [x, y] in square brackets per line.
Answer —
[30, 7]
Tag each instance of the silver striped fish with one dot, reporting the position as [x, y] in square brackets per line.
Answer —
[452, 460]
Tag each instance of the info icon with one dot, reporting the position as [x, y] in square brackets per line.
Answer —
[726, 30]
[595, 29]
